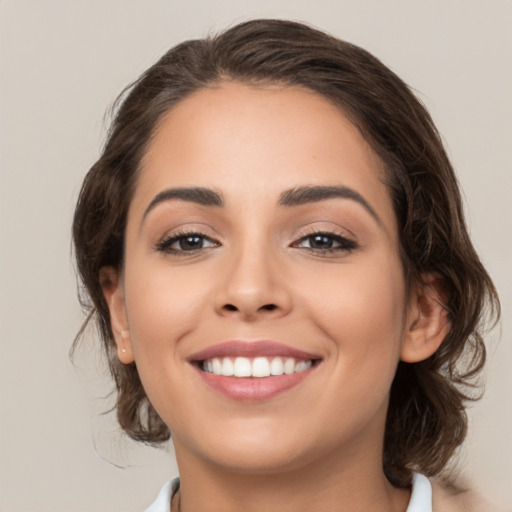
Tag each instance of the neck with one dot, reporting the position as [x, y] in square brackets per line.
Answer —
[336, 484]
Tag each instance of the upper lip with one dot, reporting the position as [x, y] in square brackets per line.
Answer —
[238, 348]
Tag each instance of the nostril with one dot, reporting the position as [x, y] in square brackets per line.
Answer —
[268, 307]
[265, 307]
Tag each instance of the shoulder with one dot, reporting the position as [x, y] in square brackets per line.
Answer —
[451, 498]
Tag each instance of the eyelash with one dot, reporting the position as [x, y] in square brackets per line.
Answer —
[166, 244]
[344, 243]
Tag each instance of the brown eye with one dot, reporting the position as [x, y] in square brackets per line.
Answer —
[325, 242]
[190, 243]
[321, 242]
[186, 242]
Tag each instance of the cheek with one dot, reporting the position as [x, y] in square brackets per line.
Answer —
[361, 309]
[361, 312]
[162, 306]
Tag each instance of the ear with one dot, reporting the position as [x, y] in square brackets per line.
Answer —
[112, 286]
[427, 322]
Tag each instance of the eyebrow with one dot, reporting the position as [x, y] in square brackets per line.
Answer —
[199, 195]
[312, 194]
[294, 197]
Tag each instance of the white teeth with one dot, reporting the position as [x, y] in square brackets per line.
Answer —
[242, 367]
[289, 366]
[276, 366]
[257, 367]
[217, 366]
[227, 367]
[302, 365]
[260, 367]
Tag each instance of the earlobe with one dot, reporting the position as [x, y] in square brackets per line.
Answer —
[111, 284]
[124, 347]
[427, 322]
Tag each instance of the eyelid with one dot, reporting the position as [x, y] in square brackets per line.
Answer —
[347, 243]
[165, 243]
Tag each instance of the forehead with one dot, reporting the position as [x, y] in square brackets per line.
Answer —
[250, 140]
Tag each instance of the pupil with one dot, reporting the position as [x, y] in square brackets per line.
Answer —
[321, 242]
[191, 242]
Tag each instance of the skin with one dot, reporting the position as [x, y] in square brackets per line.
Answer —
[258, 276]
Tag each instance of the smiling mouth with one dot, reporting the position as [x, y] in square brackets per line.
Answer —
[257, 367]
[253, 371]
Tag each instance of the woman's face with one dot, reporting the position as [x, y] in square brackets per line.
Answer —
[261, 239]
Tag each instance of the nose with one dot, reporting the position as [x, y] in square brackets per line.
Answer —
[253, 287]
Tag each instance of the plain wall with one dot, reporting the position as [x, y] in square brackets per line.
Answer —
[61, 64]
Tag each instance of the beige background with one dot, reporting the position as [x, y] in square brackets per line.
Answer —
[61, 64]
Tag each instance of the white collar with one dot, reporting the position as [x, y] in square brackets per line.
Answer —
[421, 496]
[163, 500]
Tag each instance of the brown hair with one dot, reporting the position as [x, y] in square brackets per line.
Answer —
[426, 419]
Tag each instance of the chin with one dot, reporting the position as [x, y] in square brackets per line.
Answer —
[258, 461]
[258, 446]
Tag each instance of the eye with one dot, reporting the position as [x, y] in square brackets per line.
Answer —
[180, 243]
[325, 243]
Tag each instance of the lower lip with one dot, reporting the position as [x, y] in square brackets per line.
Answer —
[253, 388]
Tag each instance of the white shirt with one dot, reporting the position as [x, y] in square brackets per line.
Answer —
[421, 496]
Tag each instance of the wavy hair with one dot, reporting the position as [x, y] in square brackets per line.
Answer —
[426, 419]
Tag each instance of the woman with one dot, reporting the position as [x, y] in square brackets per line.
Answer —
[274, 246]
